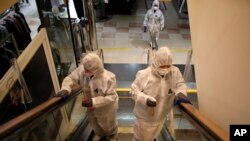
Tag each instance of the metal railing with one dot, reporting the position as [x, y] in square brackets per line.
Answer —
[188, 67]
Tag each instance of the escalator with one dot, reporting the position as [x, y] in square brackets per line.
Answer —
[58, 120]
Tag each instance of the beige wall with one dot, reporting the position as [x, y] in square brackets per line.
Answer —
[220, 31]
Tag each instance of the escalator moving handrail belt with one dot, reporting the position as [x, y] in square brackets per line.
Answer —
[204, 122]
[21, 120]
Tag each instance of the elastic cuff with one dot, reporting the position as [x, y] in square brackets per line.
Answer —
[67, 89]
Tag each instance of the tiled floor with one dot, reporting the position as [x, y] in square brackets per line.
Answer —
[123, 40]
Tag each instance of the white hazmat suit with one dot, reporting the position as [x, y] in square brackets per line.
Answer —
[154, 21]
[99, 85]
[154, 83]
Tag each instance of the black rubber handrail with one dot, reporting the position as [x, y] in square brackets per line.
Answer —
[21, 120]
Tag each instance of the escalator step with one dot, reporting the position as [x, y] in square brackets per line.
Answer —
[126, 130]
[125, 136]
[187, 134]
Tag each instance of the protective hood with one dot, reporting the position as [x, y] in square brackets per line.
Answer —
[155, 4]
[162, 57]
[93, 63]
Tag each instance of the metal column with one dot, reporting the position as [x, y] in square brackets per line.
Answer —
[91, 24]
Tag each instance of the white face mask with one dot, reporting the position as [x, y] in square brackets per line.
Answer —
[155, 7]
[163, 72]
[88, 74]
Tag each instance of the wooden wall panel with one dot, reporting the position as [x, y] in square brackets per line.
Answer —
[5, 4]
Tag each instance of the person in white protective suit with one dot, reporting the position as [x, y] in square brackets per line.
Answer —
[151, 93]
[154, 22]
[100, 97]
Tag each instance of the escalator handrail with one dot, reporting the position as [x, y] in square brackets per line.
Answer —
[21, 120]
[204, 122]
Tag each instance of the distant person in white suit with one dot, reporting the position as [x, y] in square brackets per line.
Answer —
[154, 22]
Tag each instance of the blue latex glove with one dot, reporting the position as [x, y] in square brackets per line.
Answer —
[145, 28]
[64, 94]
[181, 98]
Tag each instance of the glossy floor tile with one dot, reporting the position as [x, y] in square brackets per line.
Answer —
[123, 40]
